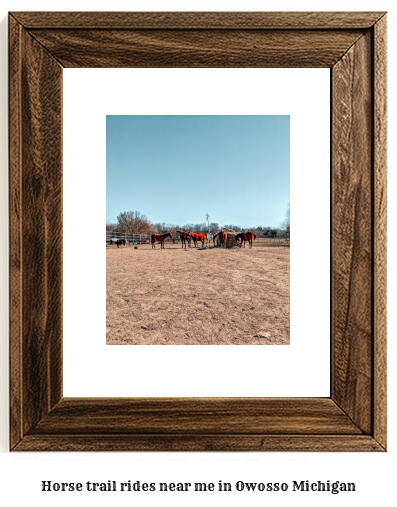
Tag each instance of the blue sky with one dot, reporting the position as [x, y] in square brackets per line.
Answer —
[175, 169]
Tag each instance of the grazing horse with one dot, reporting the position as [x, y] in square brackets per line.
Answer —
[185, 238]
[246, 236]
[197, 238]
[118, 242]
[161, 238]
[222, 235]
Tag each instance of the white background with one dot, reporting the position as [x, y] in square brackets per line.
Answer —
[92, 368]
[20, 474]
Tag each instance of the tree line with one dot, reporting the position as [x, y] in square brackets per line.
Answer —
[134, 222]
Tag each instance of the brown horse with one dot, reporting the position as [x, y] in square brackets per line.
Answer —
[185, 238]
[197, 237]
[161, 238]
[246, 236]
[222, 235]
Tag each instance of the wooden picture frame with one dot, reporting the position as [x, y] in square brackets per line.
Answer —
[353, 46]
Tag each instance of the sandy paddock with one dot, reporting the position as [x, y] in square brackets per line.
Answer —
[195, 296]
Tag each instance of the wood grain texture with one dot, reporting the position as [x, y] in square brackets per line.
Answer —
[354, 45]
[201, 20]
[197, 416]
[380, 230]
[196, 48]
[15, 230]
[41, 83]
[199, 443]
[36, 167]
[352, 233]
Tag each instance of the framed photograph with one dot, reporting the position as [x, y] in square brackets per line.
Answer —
[353, 47]
[220, 278]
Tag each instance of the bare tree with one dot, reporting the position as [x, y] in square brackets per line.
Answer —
[112, 227]
[234, 227]
[285, 225]
[200, 228]
[161, 228]
[133, 222]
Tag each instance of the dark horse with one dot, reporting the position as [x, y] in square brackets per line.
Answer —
[185, 238]
[246, 236]
[118, 242]
[161, 238]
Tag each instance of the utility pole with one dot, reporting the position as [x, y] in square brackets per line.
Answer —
[208, 222]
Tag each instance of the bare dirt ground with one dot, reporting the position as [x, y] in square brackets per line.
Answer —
[195, 296]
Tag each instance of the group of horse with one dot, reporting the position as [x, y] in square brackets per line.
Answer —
[242, 237]
[187, 237]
